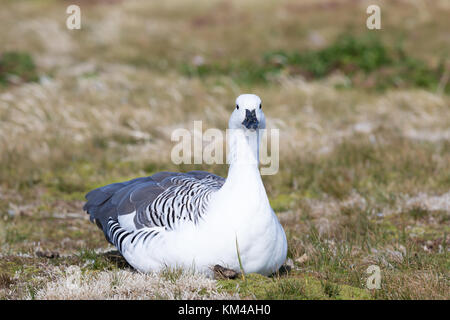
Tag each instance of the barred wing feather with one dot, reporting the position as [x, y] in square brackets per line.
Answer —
[165, 199]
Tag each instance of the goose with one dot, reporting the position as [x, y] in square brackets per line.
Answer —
[197, 220]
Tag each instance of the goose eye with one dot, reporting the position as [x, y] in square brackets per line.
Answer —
[237, 107]
[260, 105]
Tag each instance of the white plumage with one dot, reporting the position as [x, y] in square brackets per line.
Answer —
[194, 220]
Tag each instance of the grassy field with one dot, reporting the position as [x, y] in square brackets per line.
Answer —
[364, 119]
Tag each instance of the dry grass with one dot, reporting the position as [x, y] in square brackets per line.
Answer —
[72, 283]
[364, 175]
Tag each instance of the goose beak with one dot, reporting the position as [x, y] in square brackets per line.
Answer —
[250, 121]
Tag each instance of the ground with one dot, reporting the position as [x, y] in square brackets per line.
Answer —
[364, 120]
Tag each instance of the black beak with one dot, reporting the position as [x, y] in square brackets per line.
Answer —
[250, 121]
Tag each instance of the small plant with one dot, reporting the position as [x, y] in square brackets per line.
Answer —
[286, 289]
[31, 292]
[418, 212]
[171, 274]
[17, 65]
[330, 289]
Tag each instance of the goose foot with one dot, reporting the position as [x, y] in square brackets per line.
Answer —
[224, 273]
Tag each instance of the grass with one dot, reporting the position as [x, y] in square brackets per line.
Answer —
[364, 172]
[17, 67]
[365, 60]
[296, 287]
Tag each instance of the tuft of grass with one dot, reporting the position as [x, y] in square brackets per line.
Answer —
[330, 289]
[286, 289]
[418, 213]
[16, 67]
[171, 274]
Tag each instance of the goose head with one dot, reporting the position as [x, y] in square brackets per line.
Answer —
[247, 114]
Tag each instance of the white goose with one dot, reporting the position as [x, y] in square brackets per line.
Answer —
[198, 219]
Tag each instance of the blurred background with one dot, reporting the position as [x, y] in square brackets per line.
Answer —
[364, 119]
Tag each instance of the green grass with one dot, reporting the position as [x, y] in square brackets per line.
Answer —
[17, 64]
[366, 60]
[348, 53]
[292, 288]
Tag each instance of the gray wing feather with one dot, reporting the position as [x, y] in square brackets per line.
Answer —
[162, 199]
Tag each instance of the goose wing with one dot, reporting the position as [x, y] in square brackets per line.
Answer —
[164, 199]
